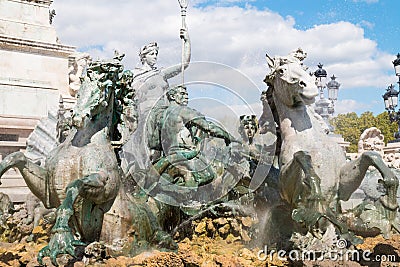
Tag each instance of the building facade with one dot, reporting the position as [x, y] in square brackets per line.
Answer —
[33, 75]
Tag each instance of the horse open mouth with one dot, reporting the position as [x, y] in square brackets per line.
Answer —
[308, 100]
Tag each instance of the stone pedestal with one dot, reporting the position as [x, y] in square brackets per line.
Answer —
[340, 140]
[392, 147]
[33, 75]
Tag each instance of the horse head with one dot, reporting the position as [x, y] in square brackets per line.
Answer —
[96, 94]
[291, 83]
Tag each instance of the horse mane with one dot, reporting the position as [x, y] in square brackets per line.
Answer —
[296, 56]
[263, 118]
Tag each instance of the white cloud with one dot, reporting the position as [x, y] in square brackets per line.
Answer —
[232, 35]
[367, 24]
[349, 105]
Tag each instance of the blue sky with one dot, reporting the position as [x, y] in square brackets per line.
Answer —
[356, 40]
[377, 17]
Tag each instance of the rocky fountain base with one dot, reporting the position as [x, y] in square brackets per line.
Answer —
[207, 242]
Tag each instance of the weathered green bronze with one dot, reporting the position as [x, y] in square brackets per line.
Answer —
[180, 139]
[181, 167]
[81, 176]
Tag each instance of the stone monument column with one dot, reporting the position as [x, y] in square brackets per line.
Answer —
[33, 75]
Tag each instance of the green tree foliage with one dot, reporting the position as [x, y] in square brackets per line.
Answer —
[351, 126]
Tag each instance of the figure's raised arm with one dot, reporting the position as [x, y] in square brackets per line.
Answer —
[175, 70]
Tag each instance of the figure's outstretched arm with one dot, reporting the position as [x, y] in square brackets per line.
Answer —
[213, 129]
[175, 70]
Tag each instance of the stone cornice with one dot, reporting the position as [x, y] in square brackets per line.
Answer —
[42, 2]
[25, 23]
[20, 82]
[46, 2]
[18, 122]
[35, 47]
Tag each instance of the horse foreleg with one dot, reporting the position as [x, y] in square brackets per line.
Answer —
[302, 187]
[62, 239]
[298, 180]
[95, 187]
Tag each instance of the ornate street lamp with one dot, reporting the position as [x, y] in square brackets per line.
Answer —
[333, 89]
[325, 107]
[396, 64]
[391, 98]
[320, 79]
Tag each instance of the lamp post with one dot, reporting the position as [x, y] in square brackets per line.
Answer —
[320, 79]
[396, 64]
[391, 98]
[323, 106]
[333, 89]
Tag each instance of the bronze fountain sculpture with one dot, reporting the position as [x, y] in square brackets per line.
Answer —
[312, 182]
[83, 179]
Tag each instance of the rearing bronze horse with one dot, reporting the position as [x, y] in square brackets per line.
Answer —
[81, 176]
[314, 175]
